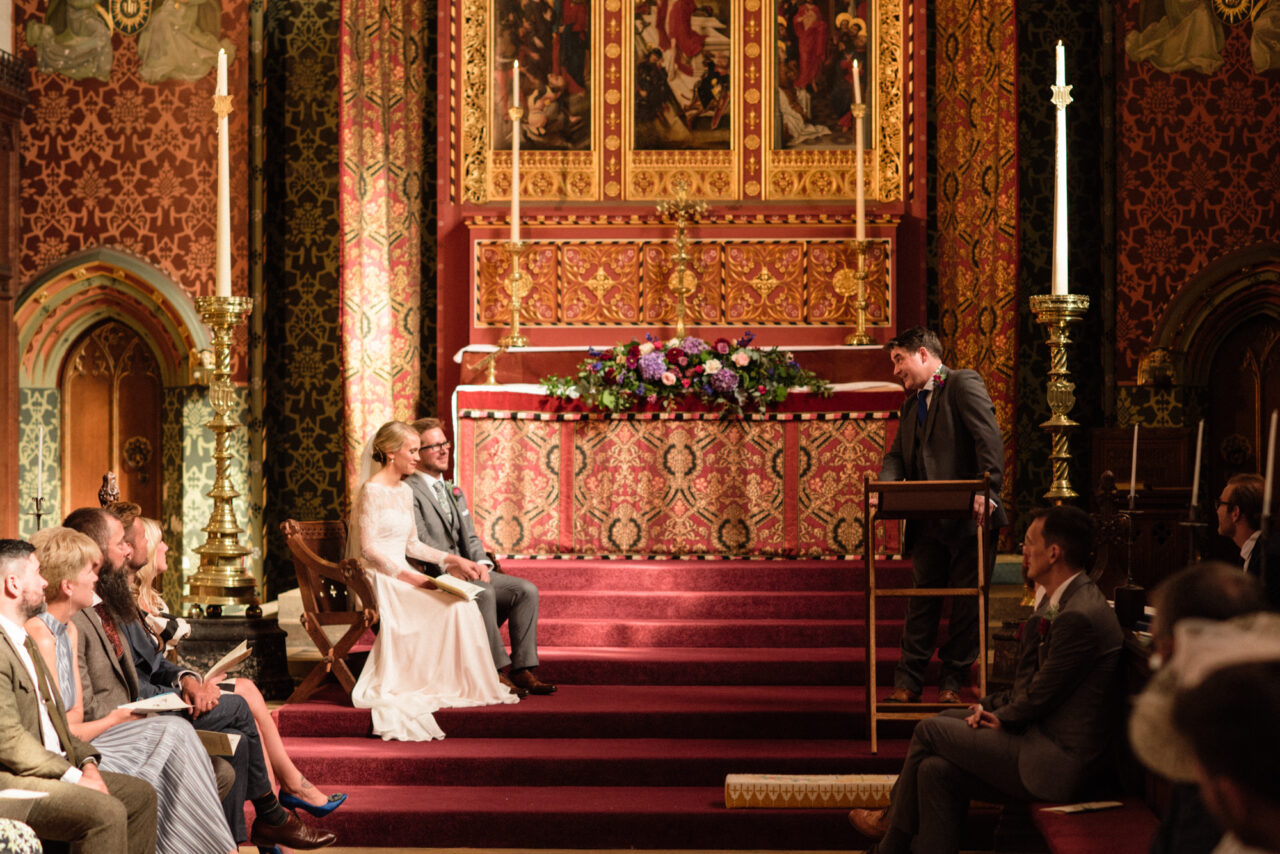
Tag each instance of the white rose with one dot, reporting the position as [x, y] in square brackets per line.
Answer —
[711, 366]
[646, 348]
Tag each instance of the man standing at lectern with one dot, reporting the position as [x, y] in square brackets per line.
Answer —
[947, 430]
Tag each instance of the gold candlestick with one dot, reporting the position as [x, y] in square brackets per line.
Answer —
[683, 280]
[1056, 312]
[519, 289]
[853, 282]
[221, 578]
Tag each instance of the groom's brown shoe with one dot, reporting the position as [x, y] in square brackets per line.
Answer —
[511, 686]
[529, 681]
[292, 834]
[873, 824]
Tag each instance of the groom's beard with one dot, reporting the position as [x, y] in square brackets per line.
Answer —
[117, 595]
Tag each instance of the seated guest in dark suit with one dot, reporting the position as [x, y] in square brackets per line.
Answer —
[1213, 710]
[93, 811]
[1240, 520]
[440, 511]
[1208, 591]
[1043, 739]
[109, 678]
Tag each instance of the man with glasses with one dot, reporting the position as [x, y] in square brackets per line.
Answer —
[440, 510]
[1240, 520]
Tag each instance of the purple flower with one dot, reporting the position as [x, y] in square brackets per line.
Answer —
[724, 380]
[652, 365]
[692, 346]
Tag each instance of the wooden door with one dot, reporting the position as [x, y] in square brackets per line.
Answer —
[1244, 387]
[111, 418]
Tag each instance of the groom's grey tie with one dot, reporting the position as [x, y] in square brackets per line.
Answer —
[442, 498]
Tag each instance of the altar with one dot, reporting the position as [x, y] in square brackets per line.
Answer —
[547, 478]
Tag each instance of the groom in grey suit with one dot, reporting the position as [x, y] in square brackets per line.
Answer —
[440, 510]
[1044, 739]
[947, 430]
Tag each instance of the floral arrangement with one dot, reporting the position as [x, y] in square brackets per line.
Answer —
[940, 379]
[731, 375]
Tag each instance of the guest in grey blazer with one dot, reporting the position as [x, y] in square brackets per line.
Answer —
[947, 430]
[1044, 739]
[444, 522]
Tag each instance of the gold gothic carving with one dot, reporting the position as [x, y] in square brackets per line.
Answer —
[729, 282]
[612, 167]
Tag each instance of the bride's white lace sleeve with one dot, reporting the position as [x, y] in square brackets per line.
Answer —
[416, 548]
[370, 509]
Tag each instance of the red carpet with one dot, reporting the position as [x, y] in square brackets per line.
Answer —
[672, 674]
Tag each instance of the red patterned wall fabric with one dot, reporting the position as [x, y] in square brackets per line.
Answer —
[546, 482]
[131, 164]
[380, 208]
[977, 196]
[1198, 163]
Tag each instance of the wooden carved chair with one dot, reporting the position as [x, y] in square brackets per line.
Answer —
[1113, 531]
[334, 593]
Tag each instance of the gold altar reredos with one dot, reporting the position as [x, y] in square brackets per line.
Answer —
[611, 170]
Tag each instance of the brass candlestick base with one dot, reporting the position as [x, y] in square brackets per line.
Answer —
[683, 280]
[1056, 312]
[221, 578]
[519, 289]
[853, 283]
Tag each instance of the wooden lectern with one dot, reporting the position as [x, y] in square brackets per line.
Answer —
[920, 499]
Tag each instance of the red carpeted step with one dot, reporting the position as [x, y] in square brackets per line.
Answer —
[724, 605]
[713, 633]
[693, 575]
[716, 665]
[344, 762]
[629, 711]
[677, 817]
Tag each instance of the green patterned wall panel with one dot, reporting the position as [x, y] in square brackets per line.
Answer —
[39, 407]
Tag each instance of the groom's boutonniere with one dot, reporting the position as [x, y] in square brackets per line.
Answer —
[453, 488]
[1046, 621]
[940, 379]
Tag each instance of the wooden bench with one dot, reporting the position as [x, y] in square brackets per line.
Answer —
[1123, 830]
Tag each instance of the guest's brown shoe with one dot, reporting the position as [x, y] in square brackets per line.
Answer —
[292, 834]
[902, 695]
[873, 824]
[528, 680]
[511, 686]
[946, 695]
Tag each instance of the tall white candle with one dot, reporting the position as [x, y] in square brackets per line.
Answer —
[1195, 478]
[860, 203]
[1133, 465]
[515, 152]
[223, 270]
[1271, 466]
[40, 464]
[1061, 97]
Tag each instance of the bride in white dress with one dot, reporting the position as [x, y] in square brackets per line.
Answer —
[431, 651]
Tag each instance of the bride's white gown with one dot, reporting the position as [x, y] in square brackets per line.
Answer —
[431, 652]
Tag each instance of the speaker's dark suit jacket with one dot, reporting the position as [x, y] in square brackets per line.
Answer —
[88, 820]
[960, 441]
[505, 597]
[108, 681]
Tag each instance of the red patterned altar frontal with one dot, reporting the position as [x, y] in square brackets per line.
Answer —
[545, 480]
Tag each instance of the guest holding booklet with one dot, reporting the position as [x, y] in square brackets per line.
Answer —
[159, 631]
[431, 651]
[164, 751]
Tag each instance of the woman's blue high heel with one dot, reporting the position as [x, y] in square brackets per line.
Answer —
[292, 802]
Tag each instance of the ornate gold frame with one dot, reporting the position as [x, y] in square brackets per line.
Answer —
[611, 170]
[829, 175]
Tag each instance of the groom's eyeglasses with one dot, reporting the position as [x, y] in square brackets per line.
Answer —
[438, 446]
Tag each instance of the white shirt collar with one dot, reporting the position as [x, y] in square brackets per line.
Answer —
[1056, 598]
[1247, 548]
[429, 478]
[17, 634]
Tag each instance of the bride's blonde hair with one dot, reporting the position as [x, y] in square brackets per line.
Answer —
[389, 439]
[148, 598]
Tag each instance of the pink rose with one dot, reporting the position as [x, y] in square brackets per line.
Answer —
[668, 378]
[741, 358]
[685, 382]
